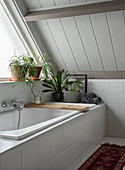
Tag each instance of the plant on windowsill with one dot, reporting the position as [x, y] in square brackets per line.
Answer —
[73, 89]
[23, 67]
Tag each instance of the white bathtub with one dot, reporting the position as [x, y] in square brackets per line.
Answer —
[33, 120]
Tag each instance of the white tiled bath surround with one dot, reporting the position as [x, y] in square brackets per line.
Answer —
[61, 147]
[113, 94]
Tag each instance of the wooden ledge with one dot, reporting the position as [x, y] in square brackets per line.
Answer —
[58, 106]
[76, 10]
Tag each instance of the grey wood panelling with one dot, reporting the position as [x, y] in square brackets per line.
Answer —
[89, 41]
[32, 4]
[63, 45]
[61, 40]
[61, 2]
[78, 1]
[82, 43]
[46, 3]
[76, 44]
[47, 37]
[104, 42]
[49, 43]
[117, 28]
[74, 40]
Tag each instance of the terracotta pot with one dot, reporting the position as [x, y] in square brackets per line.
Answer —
[58, 97]
[38, 74]
[16, 73]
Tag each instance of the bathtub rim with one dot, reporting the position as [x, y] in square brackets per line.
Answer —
[8, 144]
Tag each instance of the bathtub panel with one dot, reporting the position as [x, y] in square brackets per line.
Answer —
[57, 141]
[68, 135]
[102, 123]
[63, 145]
[75, 129]
[54, 164]
[30, 155]
[11, 160]
[45, 148]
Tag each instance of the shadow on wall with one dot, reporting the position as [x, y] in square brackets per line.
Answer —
[114, 122]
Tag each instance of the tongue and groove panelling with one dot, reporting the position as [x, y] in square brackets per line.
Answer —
[82, 43]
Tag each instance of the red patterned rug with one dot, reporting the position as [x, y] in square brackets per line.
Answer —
[107, 157]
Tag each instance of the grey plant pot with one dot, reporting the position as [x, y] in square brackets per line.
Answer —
[72, 97]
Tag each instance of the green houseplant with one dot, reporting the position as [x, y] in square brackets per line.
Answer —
[73, 89]
[24, 67]
[25, 70]
[18, 68]
[55, 82]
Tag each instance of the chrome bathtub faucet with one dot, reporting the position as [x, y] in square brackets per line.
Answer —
[15, 104]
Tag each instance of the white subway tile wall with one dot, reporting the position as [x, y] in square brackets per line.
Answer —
[113, 94]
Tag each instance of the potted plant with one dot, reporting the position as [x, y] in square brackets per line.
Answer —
[55, 82]
[18, 68]
[72, 90]
[34, 69]
[23, 67]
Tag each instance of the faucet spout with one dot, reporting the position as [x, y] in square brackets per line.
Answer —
[15, 104]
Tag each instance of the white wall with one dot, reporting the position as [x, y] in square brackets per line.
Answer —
[19, 93]
[113, 94]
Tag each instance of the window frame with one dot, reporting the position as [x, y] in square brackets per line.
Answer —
[11, 8]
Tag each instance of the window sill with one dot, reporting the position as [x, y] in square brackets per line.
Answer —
[8, 81]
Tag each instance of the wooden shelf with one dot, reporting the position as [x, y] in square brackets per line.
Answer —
[80, 107]
[75, 10]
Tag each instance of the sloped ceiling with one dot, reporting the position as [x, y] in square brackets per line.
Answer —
[82, 43]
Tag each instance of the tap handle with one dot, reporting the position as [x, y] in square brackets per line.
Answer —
[4, 104]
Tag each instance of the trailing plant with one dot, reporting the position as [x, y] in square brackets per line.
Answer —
[23, 67]
[46, 64]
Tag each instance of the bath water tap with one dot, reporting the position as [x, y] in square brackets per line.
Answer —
[15, 104]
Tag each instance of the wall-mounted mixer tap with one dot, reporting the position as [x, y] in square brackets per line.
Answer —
[15, 104]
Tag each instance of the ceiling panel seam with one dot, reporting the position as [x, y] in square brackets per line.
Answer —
[96, 42]
[82, 44]
[68, 40]
[111, 41]
[56, 45]
[54, 40]
[81, 40]
[40, 4]
[69, 45]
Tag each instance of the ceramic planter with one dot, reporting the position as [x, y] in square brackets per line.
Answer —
[58, 97]
[72, 97]
[36, 77]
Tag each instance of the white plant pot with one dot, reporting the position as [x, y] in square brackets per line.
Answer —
[72, 97]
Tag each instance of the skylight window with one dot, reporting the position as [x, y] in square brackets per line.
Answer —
[10, 43]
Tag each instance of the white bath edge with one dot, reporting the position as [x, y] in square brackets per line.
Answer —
[9, 143]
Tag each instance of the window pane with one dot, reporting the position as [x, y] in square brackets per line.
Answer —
[9, 43]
